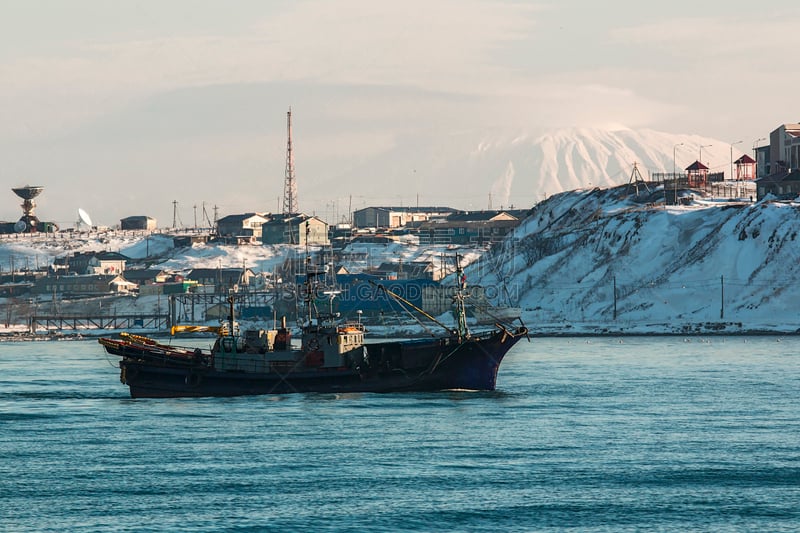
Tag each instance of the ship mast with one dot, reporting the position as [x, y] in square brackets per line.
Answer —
[289, 184]
[458, 302]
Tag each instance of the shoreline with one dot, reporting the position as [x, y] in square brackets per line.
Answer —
[19, 336]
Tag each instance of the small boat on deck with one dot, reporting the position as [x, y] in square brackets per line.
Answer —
[332, 357]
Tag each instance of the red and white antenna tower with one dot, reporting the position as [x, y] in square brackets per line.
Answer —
[290, 184]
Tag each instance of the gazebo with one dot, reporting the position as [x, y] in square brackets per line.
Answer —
[697, 174]
[745, 168]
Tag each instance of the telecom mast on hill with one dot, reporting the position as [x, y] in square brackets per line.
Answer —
[289, 185]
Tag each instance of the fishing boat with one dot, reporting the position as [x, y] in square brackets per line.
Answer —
[332, 356]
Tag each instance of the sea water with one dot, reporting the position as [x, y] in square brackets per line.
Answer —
[590, 434]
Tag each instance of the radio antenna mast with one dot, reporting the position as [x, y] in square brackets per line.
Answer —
[289, 184]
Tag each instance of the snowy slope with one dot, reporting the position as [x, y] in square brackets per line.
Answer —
[670, 266]
[726, 267]
[675, 269]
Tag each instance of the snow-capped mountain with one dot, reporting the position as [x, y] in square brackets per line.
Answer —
[568, 159]
[472, 171]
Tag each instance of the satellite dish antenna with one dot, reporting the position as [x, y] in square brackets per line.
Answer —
[20, 226]
[83, 218]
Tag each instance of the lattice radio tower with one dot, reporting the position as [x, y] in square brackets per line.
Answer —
[289, 184]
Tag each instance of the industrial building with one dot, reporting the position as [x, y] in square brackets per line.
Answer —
[395, 217]
[296, 229]
[244, 225]
[138, 222]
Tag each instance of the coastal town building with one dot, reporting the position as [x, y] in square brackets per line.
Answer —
[784, 148]
[138, 222]
[245, 225]
[778, 164]
[395, 217]
[299, 229]
[784, 185]
[181, 241]
[470, 227]
[167, 288]
[18, 283]
[405, 270]
[83, 286]
[107, 263]
[146, 276]
[90, 263]
[221, 280]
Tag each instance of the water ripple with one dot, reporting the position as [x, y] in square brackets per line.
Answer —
[597, 436]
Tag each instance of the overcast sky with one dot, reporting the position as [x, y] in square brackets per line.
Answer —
[122, 107]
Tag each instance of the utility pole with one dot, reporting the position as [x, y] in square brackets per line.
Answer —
[674, 173]
[615, 297]
[732, 145]
[205, 216]
[700, 154]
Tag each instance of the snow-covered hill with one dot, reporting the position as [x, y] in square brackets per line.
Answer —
[672, 267]
[588, 261]
[729, 267]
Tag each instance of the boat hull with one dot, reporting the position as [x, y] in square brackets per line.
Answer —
[427, 365]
